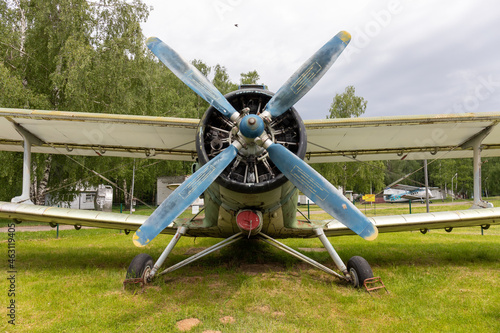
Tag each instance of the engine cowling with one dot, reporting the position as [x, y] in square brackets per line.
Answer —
[251, 171]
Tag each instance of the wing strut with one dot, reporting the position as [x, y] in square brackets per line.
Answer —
[29, 140]
[475, 142]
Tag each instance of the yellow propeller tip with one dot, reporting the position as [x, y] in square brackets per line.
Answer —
[344, 36]
[151, 40]
[135, 240]
[373, 236]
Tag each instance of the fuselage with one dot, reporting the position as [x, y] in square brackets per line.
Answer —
[395, 195]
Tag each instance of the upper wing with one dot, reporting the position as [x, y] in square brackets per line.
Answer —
[329, 140]
[411, 137]
[437, 220]
[78, 133]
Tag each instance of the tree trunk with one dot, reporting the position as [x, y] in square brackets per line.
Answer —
[42, 187]
[34, 184]
[126, 195]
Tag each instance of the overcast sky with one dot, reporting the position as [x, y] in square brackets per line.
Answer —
[405, 57]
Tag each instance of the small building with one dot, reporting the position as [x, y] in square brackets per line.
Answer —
[89, 198]
[166, 185]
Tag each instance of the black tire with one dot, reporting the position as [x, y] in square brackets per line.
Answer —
[485, 226]
[140, 267]
[449, 229]
[424, 231]
[360, 270]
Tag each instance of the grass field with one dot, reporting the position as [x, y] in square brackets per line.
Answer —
[437, 282]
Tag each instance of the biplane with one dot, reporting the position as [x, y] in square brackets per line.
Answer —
[251, 153]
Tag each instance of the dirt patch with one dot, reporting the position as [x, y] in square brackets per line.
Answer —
[227, 320]
[254, 269]
[312, 249]
[183, 279]
[187, 324]
[278, 314]
[194, 250]
[262, 309]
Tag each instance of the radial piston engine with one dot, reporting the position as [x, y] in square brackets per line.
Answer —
[251, 171]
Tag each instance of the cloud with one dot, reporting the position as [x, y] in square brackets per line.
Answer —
[422, 58]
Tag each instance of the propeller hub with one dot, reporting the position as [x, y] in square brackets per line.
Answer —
[251, 126]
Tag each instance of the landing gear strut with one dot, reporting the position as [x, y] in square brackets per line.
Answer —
[142, 270]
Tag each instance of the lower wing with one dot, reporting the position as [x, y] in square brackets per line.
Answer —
[392, 223]
[421, 221]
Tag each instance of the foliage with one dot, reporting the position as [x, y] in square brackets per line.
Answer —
[250, 78]
[89, 56]
[347, 104]
[361, 177]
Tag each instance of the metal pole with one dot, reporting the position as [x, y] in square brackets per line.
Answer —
[426, 185]
[328, 246]
[180, 232]
[456, 185]
[308, 211]
[25, 195]
[477, 174]
[132, 190]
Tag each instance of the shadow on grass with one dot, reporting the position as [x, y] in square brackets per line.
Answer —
[255, 257]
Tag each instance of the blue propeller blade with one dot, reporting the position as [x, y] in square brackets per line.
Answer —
[308, 75]
[190, 75]
[324, 194]
[183, 196]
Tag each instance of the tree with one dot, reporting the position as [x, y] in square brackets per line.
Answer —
[221, 80]
[362, 177]
[88, 56]
[249, 78]
[347, 105]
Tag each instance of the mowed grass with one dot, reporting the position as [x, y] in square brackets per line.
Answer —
[437, 282]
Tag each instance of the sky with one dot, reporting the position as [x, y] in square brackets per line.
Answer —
[405, 57]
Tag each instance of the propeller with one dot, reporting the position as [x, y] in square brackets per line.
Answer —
[183, 196]
[191, 76]
[252, 131]
[308, 75]
[324, 194]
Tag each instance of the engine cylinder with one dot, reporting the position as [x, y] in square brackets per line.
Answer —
[252, 171]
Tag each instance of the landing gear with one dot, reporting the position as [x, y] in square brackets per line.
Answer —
[359, 270]
[140, 268]
[356, 272]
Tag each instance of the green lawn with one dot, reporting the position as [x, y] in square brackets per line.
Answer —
[437, 282]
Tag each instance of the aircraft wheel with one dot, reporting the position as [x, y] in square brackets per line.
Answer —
[449, 229]
[140, 267]
[360, 270]
[424, 231]
[485, 226]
